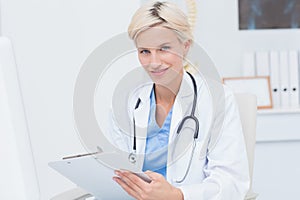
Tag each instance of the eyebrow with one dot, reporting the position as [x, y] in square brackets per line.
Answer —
[161, 45]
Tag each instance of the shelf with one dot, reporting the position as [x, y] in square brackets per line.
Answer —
[279, 111]
[278, 125]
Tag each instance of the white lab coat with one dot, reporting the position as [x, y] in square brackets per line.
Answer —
[222, 173]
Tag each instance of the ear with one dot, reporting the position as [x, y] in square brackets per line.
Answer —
[186, 46]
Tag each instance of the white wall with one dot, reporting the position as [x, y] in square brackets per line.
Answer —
[52, 38]
[217, 30]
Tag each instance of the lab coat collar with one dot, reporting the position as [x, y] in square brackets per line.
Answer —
[186, 87]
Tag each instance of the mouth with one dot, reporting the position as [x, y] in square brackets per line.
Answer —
[159, 72]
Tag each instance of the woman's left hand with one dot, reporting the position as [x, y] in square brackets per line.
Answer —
[157, 189]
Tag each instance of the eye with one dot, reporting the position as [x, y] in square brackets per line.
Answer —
[144, 51]
[165, 48]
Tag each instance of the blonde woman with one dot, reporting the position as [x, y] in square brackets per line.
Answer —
[163, 37]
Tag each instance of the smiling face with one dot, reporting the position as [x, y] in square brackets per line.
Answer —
[161, 54]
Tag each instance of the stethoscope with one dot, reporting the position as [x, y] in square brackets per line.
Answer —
[132, 156]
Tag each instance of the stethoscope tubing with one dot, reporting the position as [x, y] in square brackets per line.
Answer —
[132, 156]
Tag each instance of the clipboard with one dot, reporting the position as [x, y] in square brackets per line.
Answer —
[89, 174]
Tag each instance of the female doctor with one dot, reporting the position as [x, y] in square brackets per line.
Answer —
[163, 36]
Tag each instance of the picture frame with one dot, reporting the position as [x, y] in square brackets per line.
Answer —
[257, 85]
[266, 14]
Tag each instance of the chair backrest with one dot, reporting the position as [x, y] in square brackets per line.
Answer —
[248, 108]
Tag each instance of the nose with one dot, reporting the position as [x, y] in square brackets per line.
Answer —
[155, 60]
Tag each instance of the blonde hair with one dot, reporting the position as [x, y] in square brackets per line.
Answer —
[166, 14]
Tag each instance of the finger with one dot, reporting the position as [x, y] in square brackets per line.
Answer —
[153, 175]
[125, 187]
[138, 183]
[130, 181]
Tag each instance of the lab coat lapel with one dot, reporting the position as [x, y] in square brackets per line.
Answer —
[182, 107]
[141, 120]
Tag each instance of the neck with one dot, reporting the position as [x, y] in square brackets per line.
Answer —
[167, 94]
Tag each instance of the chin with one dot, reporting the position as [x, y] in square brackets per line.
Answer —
[164, 81]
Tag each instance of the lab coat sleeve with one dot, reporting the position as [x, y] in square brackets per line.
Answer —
[227, 173]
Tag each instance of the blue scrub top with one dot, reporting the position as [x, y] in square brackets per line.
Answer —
[156, 152]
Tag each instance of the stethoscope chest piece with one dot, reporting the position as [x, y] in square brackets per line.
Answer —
[132, 158]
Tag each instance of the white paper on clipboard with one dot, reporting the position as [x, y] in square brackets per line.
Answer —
[89, 174]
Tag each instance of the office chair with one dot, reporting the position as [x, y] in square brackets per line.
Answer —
[247, 108]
